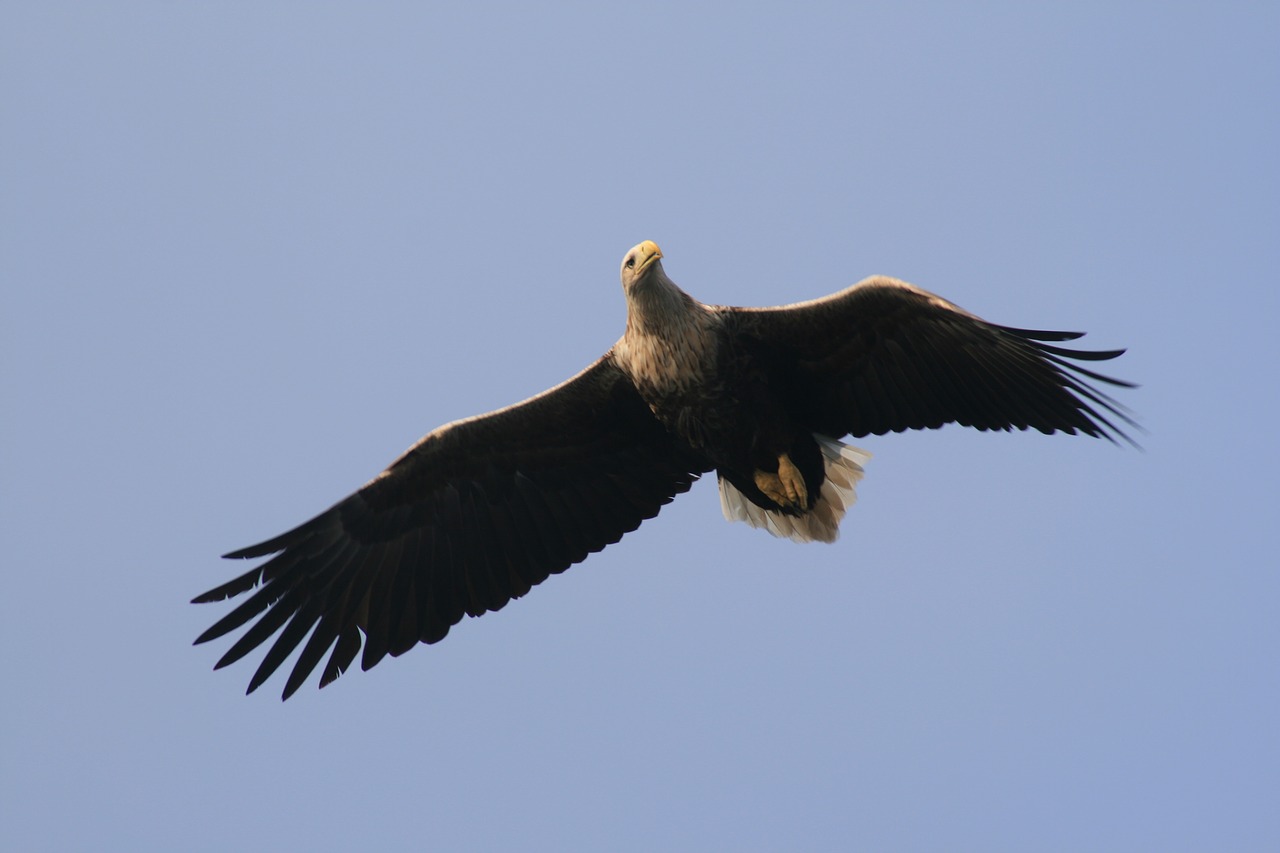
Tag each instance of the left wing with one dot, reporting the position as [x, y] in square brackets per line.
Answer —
[886, 356]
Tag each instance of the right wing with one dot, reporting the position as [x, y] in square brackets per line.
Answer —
[470, 517]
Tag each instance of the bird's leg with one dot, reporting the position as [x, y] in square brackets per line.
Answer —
[785, 488]
[793, 482]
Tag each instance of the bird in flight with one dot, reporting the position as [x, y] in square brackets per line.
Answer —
[480, 510]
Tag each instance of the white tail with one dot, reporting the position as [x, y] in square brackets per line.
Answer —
[843, 469]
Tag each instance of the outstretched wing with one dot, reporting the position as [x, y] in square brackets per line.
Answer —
[472, 516]
[885, 356]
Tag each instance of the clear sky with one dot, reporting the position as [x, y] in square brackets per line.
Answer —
[250, 252]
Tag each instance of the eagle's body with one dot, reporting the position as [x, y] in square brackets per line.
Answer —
[716, 390]
[480, 510]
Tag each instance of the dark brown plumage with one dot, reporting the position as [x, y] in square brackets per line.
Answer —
[481, 510]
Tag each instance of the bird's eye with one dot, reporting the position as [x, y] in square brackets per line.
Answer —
[631, 262]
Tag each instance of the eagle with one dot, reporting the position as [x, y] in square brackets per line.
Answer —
[481, 510]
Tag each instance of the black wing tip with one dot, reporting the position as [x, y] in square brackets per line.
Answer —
[1101, 425]
[1063, 361]
[231, 588]
[284, 697]
[1041, 334]
[218, 593]
[256, 682]
[262, 549]
[1115, 435]
[208, 635]
[291, 687]
[221, 593]
[290, 538]
[1056, 336]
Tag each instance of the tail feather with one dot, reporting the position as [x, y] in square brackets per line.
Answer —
[842, 466]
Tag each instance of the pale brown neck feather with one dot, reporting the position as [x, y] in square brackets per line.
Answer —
[669, 342]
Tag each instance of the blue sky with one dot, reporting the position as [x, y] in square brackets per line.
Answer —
[250, 253]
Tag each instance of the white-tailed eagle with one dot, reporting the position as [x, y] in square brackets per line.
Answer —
[481, 510]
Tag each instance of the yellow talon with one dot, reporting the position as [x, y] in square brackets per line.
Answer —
[793, 482]
[785, 488]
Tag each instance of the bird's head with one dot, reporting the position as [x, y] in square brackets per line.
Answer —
[639, 264]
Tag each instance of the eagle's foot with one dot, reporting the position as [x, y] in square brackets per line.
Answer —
[785, 488]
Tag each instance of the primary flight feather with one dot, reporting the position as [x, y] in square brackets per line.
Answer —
[481, 510]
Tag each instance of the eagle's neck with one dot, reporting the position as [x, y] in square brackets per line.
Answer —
[669, 344]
